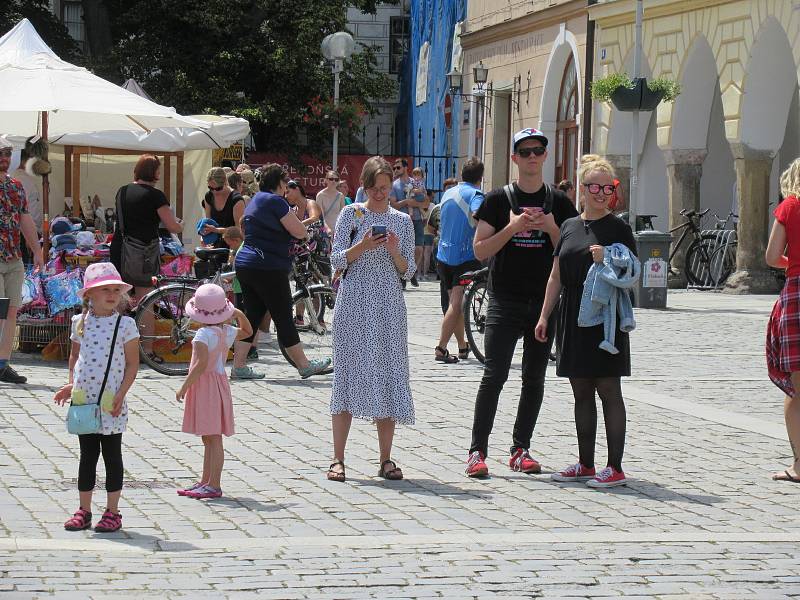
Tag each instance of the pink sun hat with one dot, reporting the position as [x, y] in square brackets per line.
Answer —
[209, 305]
[100, 274]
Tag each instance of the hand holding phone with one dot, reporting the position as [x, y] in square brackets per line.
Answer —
[378, 231]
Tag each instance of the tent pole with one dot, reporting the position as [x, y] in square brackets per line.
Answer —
[45, 191]
[179, 187]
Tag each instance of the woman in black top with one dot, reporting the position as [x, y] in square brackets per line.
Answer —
[589, 368]
[221, 203]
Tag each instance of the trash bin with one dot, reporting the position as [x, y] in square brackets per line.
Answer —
[653, 250]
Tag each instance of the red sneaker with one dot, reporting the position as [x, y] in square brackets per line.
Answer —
[576, 472]
[608, 477]
[522, 461]
[476, 465]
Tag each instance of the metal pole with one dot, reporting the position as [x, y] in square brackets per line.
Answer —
[337, 68]
[637, 72]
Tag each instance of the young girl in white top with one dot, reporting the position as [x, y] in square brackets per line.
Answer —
[208, 411]
[92, 333]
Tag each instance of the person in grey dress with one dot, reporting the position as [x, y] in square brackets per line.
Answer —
[374, 248]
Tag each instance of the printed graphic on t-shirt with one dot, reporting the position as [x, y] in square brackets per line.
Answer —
[533, 239]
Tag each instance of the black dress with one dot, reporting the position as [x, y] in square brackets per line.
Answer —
[579, 354]
[224, 217]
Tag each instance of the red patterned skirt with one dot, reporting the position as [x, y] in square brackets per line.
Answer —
[783, 336]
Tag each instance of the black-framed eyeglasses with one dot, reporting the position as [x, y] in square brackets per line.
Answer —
[216, 189]
[526, 152]
[594, 188]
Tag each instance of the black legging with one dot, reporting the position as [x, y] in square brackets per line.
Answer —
[112, 457]
[610, 392]
[268, 292]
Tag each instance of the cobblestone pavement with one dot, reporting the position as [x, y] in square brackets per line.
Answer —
[700, 517]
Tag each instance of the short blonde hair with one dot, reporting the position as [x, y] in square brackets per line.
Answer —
[590, 163]
[373, 167]
[790, 179]
[217, 175]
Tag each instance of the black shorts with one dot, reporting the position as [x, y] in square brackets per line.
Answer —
[451, 275]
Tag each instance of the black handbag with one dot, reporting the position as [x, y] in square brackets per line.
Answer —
[140, 261]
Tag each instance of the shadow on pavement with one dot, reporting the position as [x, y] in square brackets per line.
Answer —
[248, 503]
[424, 487]
[645, 489]
[127, 537]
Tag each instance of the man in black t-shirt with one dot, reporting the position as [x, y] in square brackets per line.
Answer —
[519, 228]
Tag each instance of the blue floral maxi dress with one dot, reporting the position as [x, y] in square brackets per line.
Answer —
[370, 328]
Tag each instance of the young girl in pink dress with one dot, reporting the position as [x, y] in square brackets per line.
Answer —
[208, 411]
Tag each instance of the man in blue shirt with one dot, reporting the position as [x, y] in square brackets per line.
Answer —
[455, 255]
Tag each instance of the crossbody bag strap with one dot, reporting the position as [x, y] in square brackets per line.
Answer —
[110, 356]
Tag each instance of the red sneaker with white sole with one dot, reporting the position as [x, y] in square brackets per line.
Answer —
[608, 477]
[522, 462]
[576, 472]
[476, 465]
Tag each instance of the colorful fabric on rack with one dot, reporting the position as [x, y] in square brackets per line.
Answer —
[61, 290]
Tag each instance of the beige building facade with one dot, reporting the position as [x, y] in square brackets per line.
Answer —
[535, 51]
[734, 128]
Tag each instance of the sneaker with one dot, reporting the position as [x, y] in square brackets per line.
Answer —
[190, 489]
[204, 492]
[315, 367]
[414, 281]
[522, 462]
[109, 522]
[9, 375]
[252, 354]
[576, 472]
[476, 465]
[246, 373]
[608, 477]
[82, 519]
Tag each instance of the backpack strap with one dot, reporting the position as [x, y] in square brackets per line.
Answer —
[512, 198]
[547, 207]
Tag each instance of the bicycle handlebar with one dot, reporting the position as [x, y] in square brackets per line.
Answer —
[689, 213]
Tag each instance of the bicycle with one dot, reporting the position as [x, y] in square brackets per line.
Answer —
[476, 301]
[698, 255]
[723, 259]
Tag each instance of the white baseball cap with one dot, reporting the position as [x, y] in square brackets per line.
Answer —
[527, 134]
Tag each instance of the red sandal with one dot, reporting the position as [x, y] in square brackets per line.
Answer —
[82, 519]
[109, 522]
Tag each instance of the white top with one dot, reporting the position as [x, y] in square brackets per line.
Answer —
[210, 337]
[93, 358]
[331, 206]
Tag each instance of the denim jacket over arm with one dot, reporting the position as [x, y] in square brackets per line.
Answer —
[606, 295]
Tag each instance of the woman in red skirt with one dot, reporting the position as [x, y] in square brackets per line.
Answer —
[783, 332]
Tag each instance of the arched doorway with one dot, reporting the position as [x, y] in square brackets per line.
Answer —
[567, 124]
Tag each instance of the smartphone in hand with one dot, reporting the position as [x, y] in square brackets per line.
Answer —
[378, 230]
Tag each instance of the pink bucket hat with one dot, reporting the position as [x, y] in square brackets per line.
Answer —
[209, 305]
[100, 274]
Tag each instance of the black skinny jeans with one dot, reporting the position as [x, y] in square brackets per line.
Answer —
[91, 443]
[507, 321]
[268, 292]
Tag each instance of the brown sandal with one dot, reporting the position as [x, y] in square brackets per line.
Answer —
[443, 355]
[395, 474]
[336, 475]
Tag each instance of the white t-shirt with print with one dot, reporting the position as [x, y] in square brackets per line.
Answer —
[93, 358]
[210, 337]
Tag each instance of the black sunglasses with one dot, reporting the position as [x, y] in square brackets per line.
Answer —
[526, 152]
[216, 189]
[594, 188]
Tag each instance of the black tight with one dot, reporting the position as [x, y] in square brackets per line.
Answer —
[610, 392]
[112, 457]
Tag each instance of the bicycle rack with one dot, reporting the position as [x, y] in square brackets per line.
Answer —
[722, 237]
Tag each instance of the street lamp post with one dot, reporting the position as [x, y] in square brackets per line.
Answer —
[337, 47]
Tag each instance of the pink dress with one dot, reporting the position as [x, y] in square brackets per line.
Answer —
[208, 408]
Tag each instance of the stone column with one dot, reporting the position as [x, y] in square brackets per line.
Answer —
[684, 169]
[622, 165]
[753, 168]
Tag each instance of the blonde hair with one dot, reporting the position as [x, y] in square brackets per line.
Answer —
[790, 179]
[590, 163]
[123, 305]
[217, 175]
[373, 167]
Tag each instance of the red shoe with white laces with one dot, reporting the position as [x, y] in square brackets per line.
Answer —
[476, 465]
[523, 462]
[608, 477]
[576, 472]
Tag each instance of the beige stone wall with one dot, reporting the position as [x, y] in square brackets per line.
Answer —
[485, 13]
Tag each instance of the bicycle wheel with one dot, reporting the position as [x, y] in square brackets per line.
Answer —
[316, 332]
[723, 263]
[698, 261]
[165, 331]
[475, 302]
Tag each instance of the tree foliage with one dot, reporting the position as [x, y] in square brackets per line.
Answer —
[51, 29]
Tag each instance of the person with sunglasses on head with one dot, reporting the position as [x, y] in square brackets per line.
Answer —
[221, 203]
[331, 201]
[592, 363]
[518, 226]
[306, 209]
[15, 221]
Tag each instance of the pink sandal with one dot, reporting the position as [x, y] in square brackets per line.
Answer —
[196, 486]
[109, 522]
[82, 519]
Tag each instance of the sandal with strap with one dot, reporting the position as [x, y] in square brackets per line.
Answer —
[395, 474]
[336, 475]
[82, 519]
[463, 353]
[109, 522]
[443, 355]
